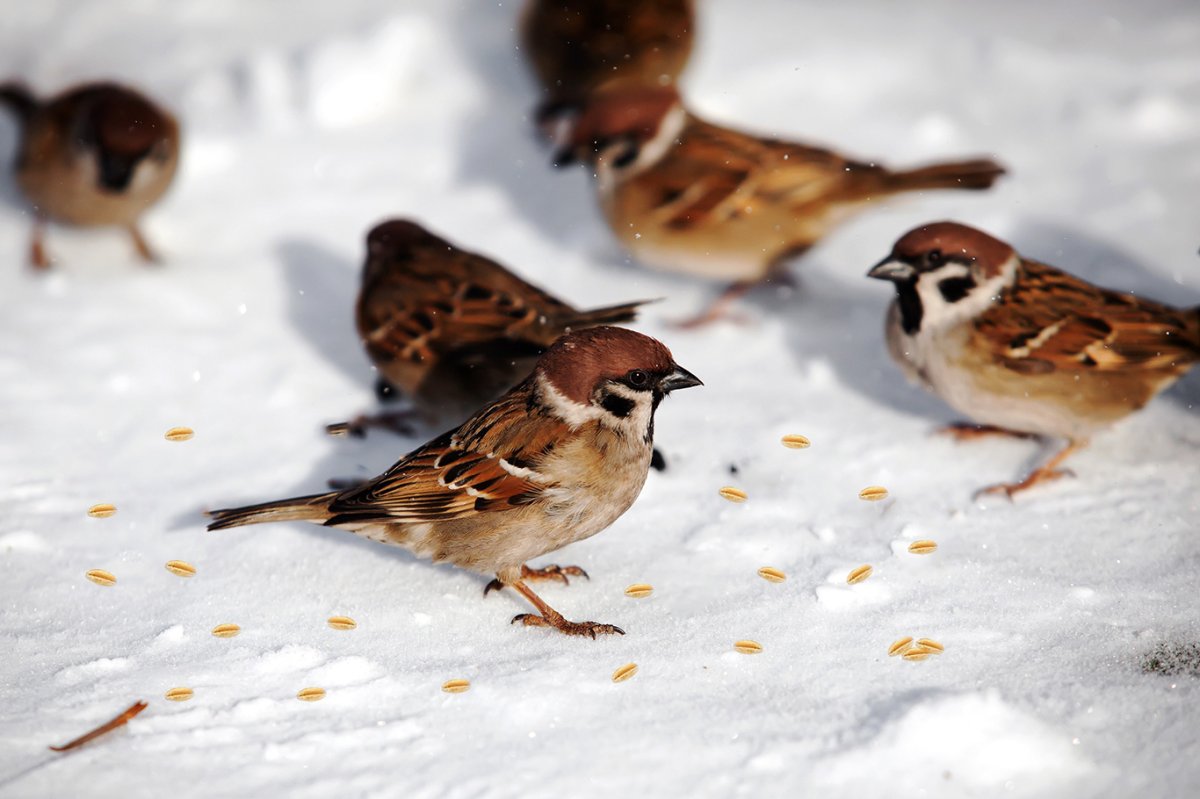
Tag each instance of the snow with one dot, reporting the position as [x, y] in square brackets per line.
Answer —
[308, 122]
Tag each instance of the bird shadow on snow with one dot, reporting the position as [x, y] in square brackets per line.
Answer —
[10, 195]
[322, 290]
[500, 146]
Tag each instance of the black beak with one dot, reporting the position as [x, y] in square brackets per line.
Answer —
[564, 157]
[892, 269]
[680, 378]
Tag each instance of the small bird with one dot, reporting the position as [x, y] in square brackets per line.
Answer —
[685, 195]
[95, 155]
[574, 46]
[450, 329]
[555, 460]
[1022, 347]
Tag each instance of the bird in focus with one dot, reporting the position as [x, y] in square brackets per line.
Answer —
[98, 154]
[450, 329]
[1019, 346]
[684, 195]
[575, 46]
[556, 460]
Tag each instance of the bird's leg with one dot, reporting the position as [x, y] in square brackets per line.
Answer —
[965, 431]
[38, 258]
[718, 309]
[398, 422]
[552, 618]
[139, 244]
[551, 572]
[1043, 474]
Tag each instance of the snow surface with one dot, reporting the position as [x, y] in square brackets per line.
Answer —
[306, 123]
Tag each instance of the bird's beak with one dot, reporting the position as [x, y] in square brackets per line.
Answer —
[893, 270]
[680, 378]
[564, 157]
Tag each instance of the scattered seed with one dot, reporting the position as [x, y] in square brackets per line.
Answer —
[916, 653]
[101, 577]
[226, 630]
[310, 694]
[179, 694]
[900, 646]
[102, 511]
[181, 568]
[859, 574]
[179, 434]
[793, 441]
[624, 672]
[922, 547]
[342, 623]
[771, 574]
[639, 590]
[748, 647]
[933, 646]
[456, 686]
[873, 493]
[733, 494]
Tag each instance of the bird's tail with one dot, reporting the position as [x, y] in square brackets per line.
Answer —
[17, 97]
[313, 508]
[978, 174]
[611, 315]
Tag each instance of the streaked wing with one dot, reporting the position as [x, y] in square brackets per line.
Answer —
[718, 173]
[1054, 321]
[488, 464]
[429, 302]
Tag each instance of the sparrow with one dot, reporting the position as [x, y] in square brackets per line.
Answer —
[574, 46]
[555, 460]
[97, 154]
[1023, 347]
[450, 329]
[685, 195]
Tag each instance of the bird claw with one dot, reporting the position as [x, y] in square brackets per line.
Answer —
[1010, 489]
[587, 628]
[551, 572]
[965, 431]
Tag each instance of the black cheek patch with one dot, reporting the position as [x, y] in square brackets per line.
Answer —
[617, 405]
[911, 310]
[954, 289]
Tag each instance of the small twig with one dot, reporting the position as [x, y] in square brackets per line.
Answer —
[134, 709]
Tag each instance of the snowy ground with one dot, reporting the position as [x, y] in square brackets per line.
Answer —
[308, 122]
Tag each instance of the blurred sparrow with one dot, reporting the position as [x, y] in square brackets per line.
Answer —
[688, 196]
[97, 154]
[450, 329]
[1022, 347]
[575, 46]
[555, 460]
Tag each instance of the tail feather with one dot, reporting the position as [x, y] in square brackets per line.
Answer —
[314, 508]
[610, 315]
[19, 99]
[978, 174]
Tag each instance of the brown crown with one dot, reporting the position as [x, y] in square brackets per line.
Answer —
[580, 360]
[400, 234]
[623, 110]
[123, 121]
[954, 239]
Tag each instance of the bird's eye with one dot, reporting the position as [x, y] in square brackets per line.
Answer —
[934, 258]
[638, 379]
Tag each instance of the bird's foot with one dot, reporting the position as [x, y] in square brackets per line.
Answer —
[398, 422]
[552, 572]
[965, 431]
[588, 628]
[1043, 475]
